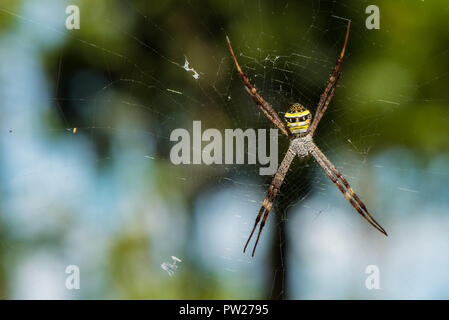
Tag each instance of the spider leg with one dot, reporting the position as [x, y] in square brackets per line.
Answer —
[265, 216]
[346, 184]
[271, 194]
[268, 115]
[342, 183]
[261, 102]
[323, 109]
[328, 92]
[266, 207]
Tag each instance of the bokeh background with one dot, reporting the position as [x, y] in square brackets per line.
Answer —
[106, 197]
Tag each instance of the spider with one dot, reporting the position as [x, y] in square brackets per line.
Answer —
[299, 128]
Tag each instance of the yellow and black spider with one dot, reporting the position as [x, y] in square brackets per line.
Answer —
[299, 129]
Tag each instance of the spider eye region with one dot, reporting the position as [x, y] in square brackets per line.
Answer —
[298, 119]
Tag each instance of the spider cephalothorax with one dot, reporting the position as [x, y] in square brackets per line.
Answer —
[298, 119]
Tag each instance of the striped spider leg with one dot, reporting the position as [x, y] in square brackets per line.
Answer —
[271, 194]
[344, 187]
[269, 112]
[329, 91]
[263, 105]
[319, 156]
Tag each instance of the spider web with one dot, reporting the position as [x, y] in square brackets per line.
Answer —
[108, 97]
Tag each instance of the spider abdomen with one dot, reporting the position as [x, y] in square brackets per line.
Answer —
[298, 119]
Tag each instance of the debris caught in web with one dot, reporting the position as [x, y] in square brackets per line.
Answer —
[171, 267]
[187, 68]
